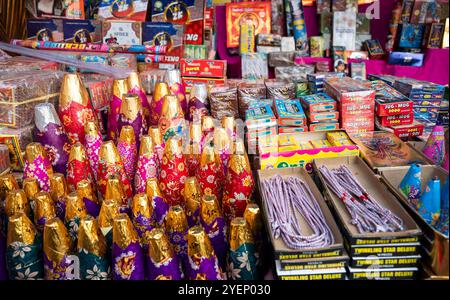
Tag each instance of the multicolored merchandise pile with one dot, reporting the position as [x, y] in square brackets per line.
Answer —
[146, 140]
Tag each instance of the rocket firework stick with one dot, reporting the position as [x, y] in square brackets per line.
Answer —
[198, 102]
[176, 228]
[50, 133]
[242, 248]
[171, 123]
[17, 202]
[192, 197]
[239, 184]
[134, 83]
[173, 79]
[56, 250]
[203, 263]
[131, 114]
[108, 211]
[222, 146]
[93, 141]
[31, 188]
[161, 90]
[173, 171]
[75, 109]
[109, 164]
[215, 226]
[147, 165]
[159, 205]
[142, 214]
[44, 209]
[78, 167]
[162, 262]
[92, 251]
[86, 193]
[194, 149]
[37, 165]
[115, 191]
[7, 184]
[120, 88]
[24, 249]
[75, 211]
[209, 173]
[128, 259]
[58, 191]
[126, 146]
[158, 142]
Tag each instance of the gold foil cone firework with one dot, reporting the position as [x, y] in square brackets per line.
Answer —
[192, 194]
[152, 189]
[176, 219]
[252, 215]
[56, 240]
[222, 141]
[84, 190]
[207, 124]
[75, 207]
[108, 153]
[171, 108]
[7, 183]
[173, 148]
[115, 191]
[208, 156]
[209, 209]
[155, 134]
[239, 161]
[199, 244]
[77, 152]
[160, 249]
[90, 237]
[108, 212]
[127, 135]
[73, 90]
[146, 147]
[58, 186]
[17, 202]
[33, 151]
[239, 233]
[20, 230]
[123, 231]
[140, 205]
[134, 81]
[229, 124]
[44, 208]
[31, 187]
[131, 106]
[91, 128]
[161, 90]
[195, 133]
[120, 88]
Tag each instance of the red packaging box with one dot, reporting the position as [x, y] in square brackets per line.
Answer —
[361, 125]
[393, 108]
[203, 68]
[405, 131]
[403, 119]
[189, 81]
[356, 115]
[348, 90]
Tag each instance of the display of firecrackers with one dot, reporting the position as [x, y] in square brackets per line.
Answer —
[247, 38]
[339, 61]
[78, 167]
[295, 73]
[358, 70]
[254, 66]
[58, 192]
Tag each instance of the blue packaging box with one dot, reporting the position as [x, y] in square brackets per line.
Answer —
[406, 59]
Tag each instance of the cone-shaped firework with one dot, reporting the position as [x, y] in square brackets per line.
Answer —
[158, 143]
[7, 184]
[171, 123]
[176, 228]
[17, 202]
[31, 188]
[78, 167]
[87, 194]
[126, 146]
[195, 149]
[44, 209]
[37, 165]
[442, 225]
[434, 148]
[429, 206]
[147, 166]
[108, 212]
[75, 212]
[222, 146]
[209, 173]
[93, 141]
[161, 90]
[198, 102]
[57, 244]
[120, 88]
[115, 191]
[134, 83]
[192, 197]
[58, 191]
[131, 115]
[142, 214]
[208, 128]
[157, 202]
[252, 215]
[411, 184]
[173, 79]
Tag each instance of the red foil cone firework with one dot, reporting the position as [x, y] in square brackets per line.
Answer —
[171, 122]
[158, 143]
[208, 175]
[75, 109]
[38, 166]
[173, 79]
[161, 90]
[195, 149]
[93, 141]
[131, 115]
[147, 166]
[239, 184]
[173, 171]
[78, 167]
[126, 145]
[134, 83]
[120, 88]
[110, 164]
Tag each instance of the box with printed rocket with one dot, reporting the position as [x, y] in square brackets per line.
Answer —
[164, 34]
[290, 112]
[182, 12]
[203, 68]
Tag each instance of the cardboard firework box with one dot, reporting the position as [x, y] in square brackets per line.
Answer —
[82, 31]
[45, 30]
[203, 68]
[122, 33]
[182, 12]
[257, 13]
[164, 34]
[389, 101]
[123, 10]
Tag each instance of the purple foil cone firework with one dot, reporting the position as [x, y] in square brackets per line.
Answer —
[131, 115]
[147, 166]
[120, 88]
[56, 250]
[93, 141]
[135, 86]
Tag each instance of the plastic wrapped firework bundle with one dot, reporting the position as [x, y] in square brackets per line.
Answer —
[38, 165]
[78, 167]
[280, 89]
[223, 101]
[127, 148]
[124, 61]
[150, 78]
[249, 92]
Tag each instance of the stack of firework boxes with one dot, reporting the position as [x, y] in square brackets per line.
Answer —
[356, 103]
[321, 111]
[208, 71]
[316, 80]
[291, 118]
[261, 126]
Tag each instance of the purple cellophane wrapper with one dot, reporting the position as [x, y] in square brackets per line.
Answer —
[128, 154]
[113, 117]
[3, 272]
[138, 125]
[92, 145]
[56, 271]
[204, 268]
[147, 167]
[193, 219]
[145, 105]
[218, 237]
[128, 263]
[142, 224]
[92, 208]
[60, 206]
[56, 145]
[160, 208]
[38, 170]
[169, 269]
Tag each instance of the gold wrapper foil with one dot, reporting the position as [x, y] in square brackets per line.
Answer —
[108, 211]
[161, 90]
[75, 207]
[73, 90]
[209, 209]
[108, 153]
[239, 161]
[176, 219]
[91, 128]
[58, 186]
[84, 190]
[115, 191]
[127, 135]
[44, 206]
[221, 140]
[90, 237]
[77, 152]
[152, 189]
[123, 231]
[146, 147]
[155, 134]
[133, 80]
[252, 215]
[33, 150]
[239, 233]
[171, 107]
[17, 202]
[229, 123]
[199, 244]
[159, 248]
[141, 206]
[56, 240]
[120, 87]
[31, 187]
[208, 156]
[20, 229]
[192, 194]
[7, 183]
[207, 123]
[195, 132]
[173, 147]
[131, 106]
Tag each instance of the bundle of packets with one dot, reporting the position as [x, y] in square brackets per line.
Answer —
[394, 111]
[261, 124]
[291, 118]
[206, 71]
[321, 111]
[315, 81]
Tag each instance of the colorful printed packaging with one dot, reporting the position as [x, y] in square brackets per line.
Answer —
[406, 59]
[268, 39]
[164, 34]
[323, 126]
[254, 66]
[316, 46]
[374, 48]
[358, 70]
[404, 131]
[285, 129]
[82, 31]
[259, 115]
[182, 12]
[67, 9]
[344, 29]
[203, 68]
[325, 116]
[123, 10]
[318, 103]
[195, 51]
[121, 33]
[16, 140]
[433, 35]
[45, 30]
[410, 36]
[247, 38]
[401, 119]
[298, 27]
[290, 113]
[189, 81]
